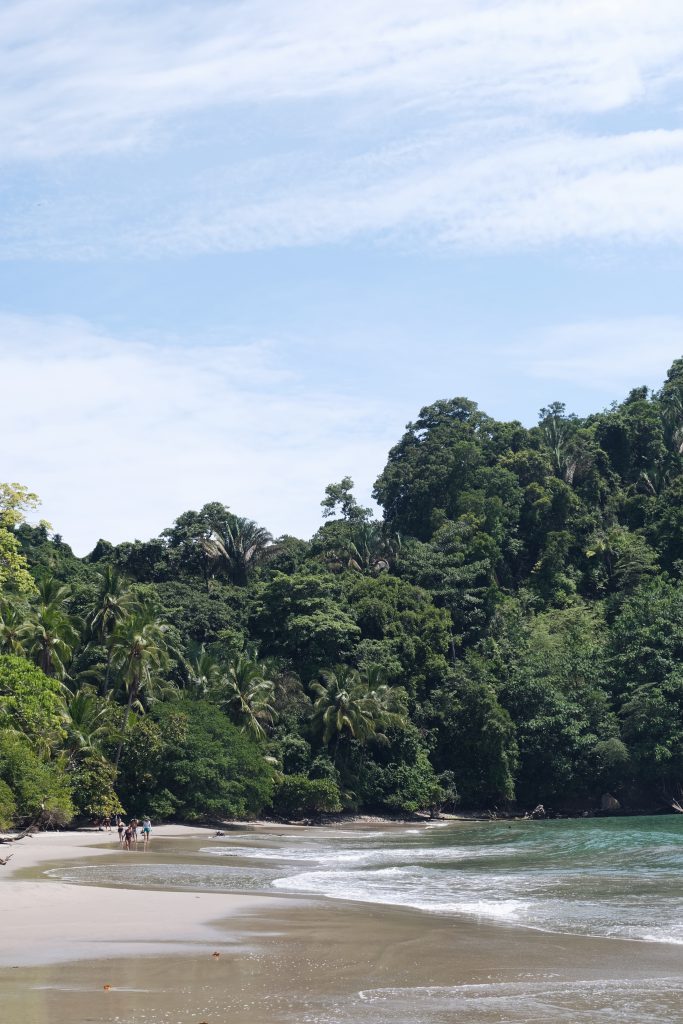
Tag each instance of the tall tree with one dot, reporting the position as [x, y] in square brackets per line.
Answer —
[202, 672]
[240, 548]
[51, 638]
[557, 430]
[15, 501]
[339, 499]
[11, 621]
[245, 692]
[353, 705]
[89, 721]
[111, 604]
[139, 653]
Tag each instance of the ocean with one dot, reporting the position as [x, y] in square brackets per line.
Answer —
[615, 877]
[591, 879]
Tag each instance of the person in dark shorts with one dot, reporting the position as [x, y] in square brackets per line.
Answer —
[128, 837]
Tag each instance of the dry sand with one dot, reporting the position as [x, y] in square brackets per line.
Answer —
[288, 959]
[44, 920]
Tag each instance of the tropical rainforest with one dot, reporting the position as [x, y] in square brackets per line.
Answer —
[509, 632]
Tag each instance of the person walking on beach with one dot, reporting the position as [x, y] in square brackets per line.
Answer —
[146, 831]
[127, 837]
[134, 825]
[120, 828]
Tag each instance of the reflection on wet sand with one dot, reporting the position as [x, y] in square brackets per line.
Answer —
[334, 963]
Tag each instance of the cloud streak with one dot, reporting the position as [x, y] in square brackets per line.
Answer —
[81, 75]
[251, 125]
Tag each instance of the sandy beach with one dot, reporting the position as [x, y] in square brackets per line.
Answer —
[45, 920]
[284, 958]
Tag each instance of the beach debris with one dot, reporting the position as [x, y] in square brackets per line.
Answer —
[107, 988]
[215, 955]
[26, 834]
[4, 860]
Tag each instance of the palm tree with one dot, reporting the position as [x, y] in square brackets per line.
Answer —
[672, 419]
[52, 591]
[372, 548]
[241, 547]
[11, 622]
[202, 672]
[247, 695]
[89, 720]
[139, 651]
[111, 605]
[557, 430]
[51, 638]
[338, 710]
[388, 703]
[354, 705]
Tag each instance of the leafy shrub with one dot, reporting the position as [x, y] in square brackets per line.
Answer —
[93, 784]
[8, 806]
[30, 702]
[187, 760]
[403, 787]
[39, 788]
[297, 794]
[296, 755]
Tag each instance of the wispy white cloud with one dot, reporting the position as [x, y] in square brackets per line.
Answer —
[247, 125]
[121, 436]
[537, 191]
[81, 75]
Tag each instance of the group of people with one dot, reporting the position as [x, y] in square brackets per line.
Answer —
[131, 833]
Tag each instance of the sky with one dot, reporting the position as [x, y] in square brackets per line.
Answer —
[243, 243]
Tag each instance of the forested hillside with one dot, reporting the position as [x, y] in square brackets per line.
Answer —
[510, 630]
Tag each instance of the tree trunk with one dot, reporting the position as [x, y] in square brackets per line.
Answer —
[22, 835]
[133, 691]
[107, 674]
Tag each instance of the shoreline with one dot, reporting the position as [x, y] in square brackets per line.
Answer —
[33, 893]
[49, 921]
[280, 955]
[422, 818]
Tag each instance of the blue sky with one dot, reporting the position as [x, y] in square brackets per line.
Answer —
[242, 243]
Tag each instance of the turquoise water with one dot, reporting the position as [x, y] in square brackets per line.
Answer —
[619, 877]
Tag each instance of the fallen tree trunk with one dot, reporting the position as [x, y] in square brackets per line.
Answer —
[22, 835]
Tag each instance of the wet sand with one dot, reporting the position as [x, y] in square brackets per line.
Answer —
[306, 960]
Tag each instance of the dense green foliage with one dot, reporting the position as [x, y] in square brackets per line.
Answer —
[297, 795]
[510, 631]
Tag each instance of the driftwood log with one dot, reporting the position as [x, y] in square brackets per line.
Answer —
[6, 859]
[22, 835]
